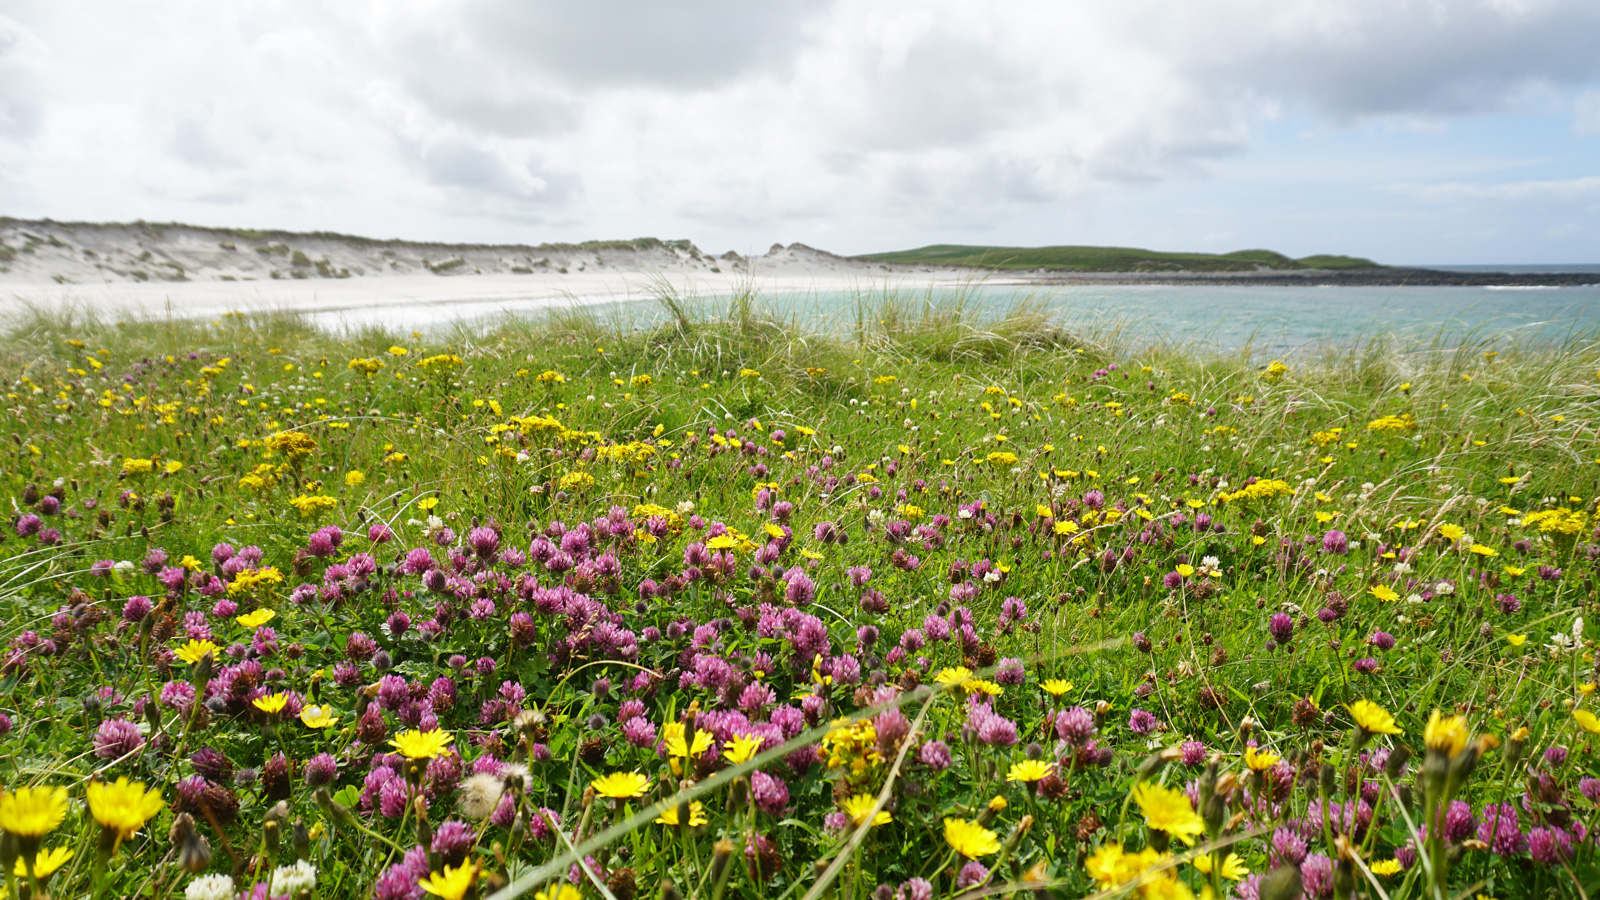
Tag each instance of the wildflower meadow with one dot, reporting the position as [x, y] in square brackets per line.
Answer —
[713, 607]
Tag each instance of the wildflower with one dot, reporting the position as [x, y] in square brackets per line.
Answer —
[970, 839]
[1169, 810]
[451, 884]
[697, 815]
[416, 744]
[621, 785]
[314, 716]
[1029, 770]
[1260, 760]
[1384, 592]
[678, 746]
[1056, 687]
[32, 812]
[1446, 735]
[562, 891]
[1516, 640]
[742, 748]
[194, 651]
[210, 887]
[1587, 720]
[123, 808]
[256, 619]
[1233, 868]
[272, 704]
[1385, 866]
[858, 806]
[45, 863]
[1372, 718]
[1111, 865]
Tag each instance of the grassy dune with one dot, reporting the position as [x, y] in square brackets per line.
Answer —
[708, 605]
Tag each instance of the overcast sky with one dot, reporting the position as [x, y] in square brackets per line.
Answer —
[1446, 131]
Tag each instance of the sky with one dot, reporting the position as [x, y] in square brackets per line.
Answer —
[1407, 131]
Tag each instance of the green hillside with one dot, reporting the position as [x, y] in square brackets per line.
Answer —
[1109, 259]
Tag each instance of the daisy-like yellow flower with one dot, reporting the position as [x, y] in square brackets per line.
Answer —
[314, 716]
[123, 807]
[672, 736]
[954, 677]
[697, 815]
[1260, 760]
[1587, 720]
[1452, 532]
[621, 785]
[256, 619]
[1445, 735]
[272, 704]
[970, 839]
[1029, 770]
[32, 812]
[981, 686]
[859, 805]
[1385, 866]
[1233, 868]
[1516, 640]
[1111, 865]
[416, 744]
[742, 748]
[559, 892]
[1484, 550]
[194, 651]
[1383, 592]
[1056, 687]
[45, 863]
[453, 883]
[1169, 810]
[1372, 718]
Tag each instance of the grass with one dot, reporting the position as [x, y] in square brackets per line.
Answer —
[1109, 259]
[1066, 554]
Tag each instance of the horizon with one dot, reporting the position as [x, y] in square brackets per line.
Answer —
[1457, 136]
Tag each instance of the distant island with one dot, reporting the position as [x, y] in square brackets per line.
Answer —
[1112, 259]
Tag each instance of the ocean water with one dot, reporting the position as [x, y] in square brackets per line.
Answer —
[1265, 318]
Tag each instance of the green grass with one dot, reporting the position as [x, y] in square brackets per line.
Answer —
[1109, 259]
[977, 463]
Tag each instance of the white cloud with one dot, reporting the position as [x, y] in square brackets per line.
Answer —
[722, 120]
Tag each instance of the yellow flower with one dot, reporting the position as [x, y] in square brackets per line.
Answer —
[1484, 550]
[957, 676]
[32, 812]
[416, 744]
[1233, 868]
[1260, 760]
[1055, 687]
[272, 704]
[1446, 735]
[45, 863]
[1029, 770]
[1184, 569]
[314, 716]
[1111, 865]
[1516, 640]
[1169, 810]
[1452, 532]
[1587, 719]
[970, 839]
[980, 686]
[256, 619]
[741, 748]
[1384, 592]
[561, 891]
[123, 807]
[453, 883]
[621, 785]
[1372, 718]
[858, 806]
[1385, 866]
[672, 736]
[697, 815]
[194, 651]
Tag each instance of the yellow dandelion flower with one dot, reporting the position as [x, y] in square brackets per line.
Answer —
[32, 812]
[453, 883]
[970, 839]
[1385, 866]
[123, 807]
[742, 748]
[416, 744]
[272, 704]
[1029, 770]
[697, 815]
[1233, 868]
[858, 806]
[621, 785]
[194, 651]
[1445, 735]
[1372, 718]
[1260, 760]
[1056, 687]
[1169, 810]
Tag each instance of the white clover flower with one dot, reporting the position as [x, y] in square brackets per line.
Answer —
[291, 880]
[210, 887]
[1210, 562]
[876, 517]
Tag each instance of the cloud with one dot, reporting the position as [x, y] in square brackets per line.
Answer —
[1564, 191]
[863, 120]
